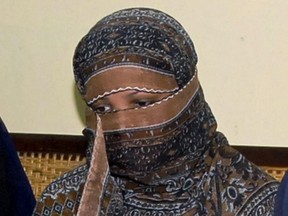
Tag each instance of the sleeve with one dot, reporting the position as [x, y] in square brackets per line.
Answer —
[17, 197]
[281, 201]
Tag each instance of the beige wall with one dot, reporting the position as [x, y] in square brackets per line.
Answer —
[243, 62]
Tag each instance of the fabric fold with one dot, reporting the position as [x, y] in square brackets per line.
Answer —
[96, 177]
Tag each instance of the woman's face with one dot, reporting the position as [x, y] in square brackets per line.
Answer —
[123, 78]
[127, 87]
[129, 97]
[119, 92]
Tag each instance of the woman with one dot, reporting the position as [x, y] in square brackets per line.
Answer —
[160, 153]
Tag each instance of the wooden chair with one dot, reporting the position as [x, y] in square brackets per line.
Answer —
[45, 157]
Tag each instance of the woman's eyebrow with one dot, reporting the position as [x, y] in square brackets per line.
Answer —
[139, 94]
[134, 93]
[104, 99]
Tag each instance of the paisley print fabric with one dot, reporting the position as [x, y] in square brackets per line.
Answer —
[166, 158]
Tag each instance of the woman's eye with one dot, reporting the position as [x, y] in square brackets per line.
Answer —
[143, 103]
[102, 109]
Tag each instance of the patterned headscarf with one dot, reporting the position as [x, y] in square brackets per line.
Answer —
[165, 158]
[143, 37]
